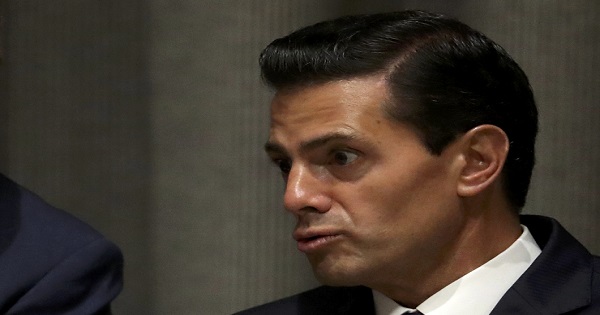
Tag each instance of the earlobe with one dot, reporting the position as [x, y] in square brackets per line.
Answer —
[485, 151]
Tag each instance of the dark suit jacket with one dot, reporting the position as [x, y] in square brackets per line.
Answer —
[50, 262]
[564, 279]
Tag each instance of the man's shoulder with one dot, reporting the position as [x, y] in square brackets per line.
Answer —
[35, 236]
[25, 217]
[592, 305]
[42, 248]
[564, 278]
[322, 300]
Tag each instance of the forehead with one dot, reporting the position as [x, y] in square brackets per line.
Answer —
[341, 104]
[346, 113]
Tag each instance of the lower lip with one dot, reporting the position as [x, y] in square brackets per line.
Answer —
[307, 246]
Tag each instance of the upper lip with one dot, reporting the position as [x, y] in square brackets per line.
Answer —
[303, 235]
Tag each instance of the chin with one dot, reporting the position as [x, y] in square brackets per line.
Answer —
[336, 275]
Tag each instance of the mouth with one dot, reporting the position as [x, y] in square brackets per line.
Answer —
[309, 242]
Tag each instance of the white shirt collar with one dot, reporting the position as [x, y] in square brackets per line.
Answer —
[477, 292]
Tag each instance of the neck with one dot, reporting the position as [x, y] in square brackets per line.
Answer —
[485, 233]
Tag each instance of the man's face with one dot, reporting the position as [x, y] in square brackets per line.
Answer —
[372, 204]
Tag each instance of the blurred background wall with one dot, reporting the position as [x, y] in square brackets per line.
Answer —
[147, 120]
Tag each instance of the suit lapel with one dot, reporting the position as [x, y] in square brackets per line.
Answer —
[558, 281]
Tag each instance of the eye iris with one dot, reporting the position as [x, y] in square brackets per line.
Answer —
[285, 166]
[342, 158]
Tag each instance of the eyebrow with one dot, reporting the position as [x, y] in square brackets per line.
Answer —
[273, 147]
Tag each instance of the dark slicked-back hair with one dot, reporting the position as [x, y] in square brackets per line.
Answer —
[444, 78]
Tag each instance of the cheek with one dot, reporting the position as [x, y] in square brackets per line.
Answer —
[400, 195]
[375, 212]
[411, 197]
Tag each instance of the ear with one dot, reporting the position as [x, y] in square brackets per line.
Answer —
[485, 151]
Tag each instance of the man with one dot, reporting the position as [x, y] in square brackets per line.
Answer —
[406, 142]
[50, 262]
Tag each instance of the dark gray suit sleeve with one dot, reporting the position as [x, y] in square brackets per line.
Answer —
[85, 282]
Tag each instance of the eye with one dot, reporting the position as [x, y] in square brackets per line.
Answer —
[285, 166]
[344, 157]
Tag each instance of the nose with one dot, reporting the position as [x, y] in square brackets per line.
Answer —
[305, 191]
